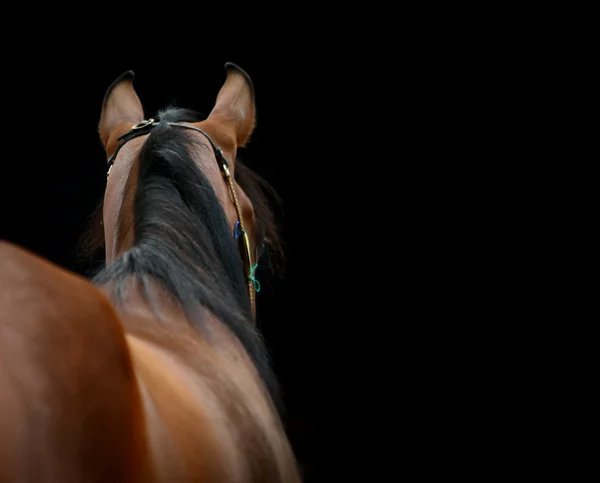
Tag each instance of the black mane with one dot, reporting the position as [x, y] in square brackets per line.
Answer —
[183, 241]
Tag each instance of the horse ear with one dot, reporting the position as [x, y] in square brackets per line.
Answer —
[234, 108]
[121, 106]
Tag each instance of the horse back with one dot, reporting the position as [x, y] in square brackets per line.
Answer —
[90, 394]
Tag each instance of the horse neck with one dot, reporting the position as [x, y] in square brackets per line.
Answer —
[118, 211]
[150, 300]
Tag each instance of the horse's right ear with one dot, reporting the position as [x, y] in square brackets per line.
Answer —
[121, 109]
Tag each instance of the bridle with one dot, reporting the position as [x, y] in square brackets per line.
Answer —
[145, 127]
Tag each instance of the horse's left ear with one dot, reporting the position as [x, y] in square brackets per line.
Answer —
[234, 109]
[121, 109]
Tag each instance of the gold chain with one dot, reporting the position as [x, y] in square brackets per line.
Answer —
[244, 235]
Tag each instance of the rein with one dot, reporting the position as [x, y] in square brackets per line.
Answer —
[144, 128]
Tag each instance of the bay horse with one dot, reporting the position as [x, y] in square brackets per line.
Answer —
[153, 370]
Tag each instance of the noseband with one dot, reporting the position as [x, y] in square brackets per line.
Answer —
[145, 127]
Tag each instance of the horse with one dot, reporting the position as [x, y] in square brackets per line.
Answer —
[154, 368]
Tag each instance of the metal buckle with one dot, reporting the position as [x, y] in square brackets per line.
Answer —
[143, 124]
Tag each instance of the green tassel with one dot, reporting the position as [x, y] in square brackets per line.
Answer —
[253, 279]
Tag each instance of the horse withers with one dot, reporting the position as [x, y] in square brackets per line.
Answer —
[153, 371]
